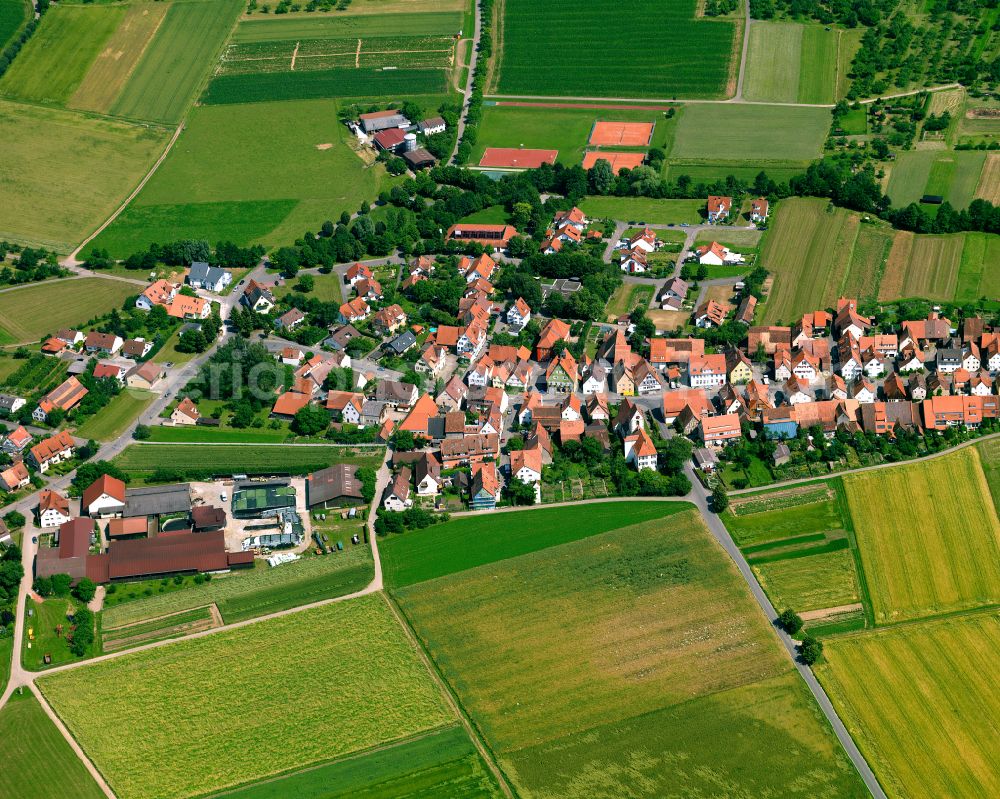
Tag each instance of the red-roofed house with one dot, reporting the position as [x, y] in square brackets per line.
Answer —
[640, 450]
[104, 497]
[718, 208]
[718, 431]
[758, 210]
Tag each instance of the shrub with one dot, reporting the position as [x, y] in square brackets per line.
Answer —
[789, 621]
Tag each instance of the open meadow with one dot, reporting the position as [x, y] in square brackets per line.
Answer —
[627, 658]
[28, 313]
[542, 54]
[110, 422]
[644, 210]
[63, 173]
[933, 546]
[194, 709]
[951, 174]
[793, 63]
[37, 761]
[979, 270]
[920, 700]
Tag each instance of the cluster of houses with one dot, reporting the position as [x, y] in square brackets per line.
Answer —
[390, 131]
[636, 249]
[568, 227]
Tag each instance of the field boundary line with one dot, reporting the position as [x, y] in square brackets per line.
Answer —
[477, 738]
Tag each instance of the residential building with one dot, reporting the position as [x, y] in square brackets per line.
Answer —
[186, 412]
[397, 492]
[210, 278]
[145, 376]
[718, 431]
[640, 451]
[15, 477]
[718, 208]
[495, 237]
[104, 497]
[258, 298]
[707, 371]
[485, 490]
[52, 450]
[16, 441]
[53, 509]
[758, 210]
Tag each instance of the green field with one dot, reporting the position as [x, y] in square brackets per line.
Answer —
[177, 625]
[775, 515]
[756, 133]
[634, 658]
[709, 172]
[644, 209]
[628, 296]
[177, 60]
[28, 313]
[292, 27]
[13, 14]
[64, 173]
[37, 761]
[989, 460]
[543, 55]
[112, 420]
[934, 546]
[979, 270]
[953, 175]
[47, 639]
[921, 705]
[142, 459]
[196, 710]
[216, 435]
[442, 763]
[326, 288]
[256, 592]
[58, 55]
[826, 580]
[792, 63]
[474, 541]
[867, 264]
[925, 266]
[224, 180]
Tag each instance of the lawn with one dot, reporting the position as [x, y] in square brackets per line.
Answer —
[47, 641]
[110, 422]
[56, 58]
[920, 704]
[30, 312]
[256, 592]
[476, 540]
[626, 659]
[224, 180]
[326, 288]
[442, 763]
[644, 209]
[177, 61]
[38, 763]
[754, 133]
[979, 269]
[64, 173]
[922, 266]
[542, 55]
[790, 63]
[192, 707]
[934, 545]
[826, 580]
[142, 459]
[168, 353]
[626, 297]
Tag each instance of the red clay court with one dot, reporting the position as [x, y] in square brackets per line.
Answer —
[622, 134]
[516, 158]
[618, 161]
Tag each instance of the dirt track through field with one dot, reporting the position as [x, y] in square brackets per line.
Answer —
[295, 54]
[598, 106]
[823, 613]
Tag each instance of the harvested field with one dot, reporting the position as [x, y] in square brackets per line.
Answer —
[621, 134]
[28, 313]
[618, 161]
[895, 267]
[514, 158]
[934, 545]
[175, 625]
[988, 187]
[192, 707]
[921, 705]
[922, 266]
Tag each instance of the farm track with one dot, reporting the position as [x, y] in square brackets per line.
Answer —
[469, 78]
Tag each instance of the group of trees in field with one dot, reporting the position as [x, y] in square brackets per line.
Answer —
[183, 252]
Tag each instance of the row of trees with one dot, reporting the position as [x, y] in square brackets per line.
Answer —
[182, 253]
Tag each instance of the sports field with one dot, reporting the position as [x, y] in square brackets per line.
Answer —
[110, 422]
[921, 703]
[30, 312]
[922, 266]
[625, 659]
[953, 175]
[618, 161]
[64, 173]
[644, 209]
[516, 158]
[223, 180]
[37, 761]
[621, 134]
[243, 704]
[544, 54]
[792, 63]
[934, 545]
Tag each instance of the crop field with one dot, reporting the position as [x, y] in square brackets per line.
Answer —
[462, 544]
[826, 580]
[953, 175]
[32, 311]
[179, 624]
[347, 26]
[773, 515]
[13, 14]
[192, 707]
[920, 704]
[110, 422]
[988, 187]
[594, 664]
[989, 460]
[868, 262]
[58, 55]
[922, 266]
[115, 63]
[644, 209]
[37, 761]
[64, 173]
[979, 269]
[934, 546]
[543, 55]
[223, 180]
[790, 63]
[760, 134]
[440, 763]
[177, 60]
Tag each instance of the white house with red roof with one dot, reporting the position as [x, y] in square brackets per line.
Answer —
[640, 450]
[718, 208]
[104, 497]
[758, 209]
[356, 272]
[716, 254]
[354, 310]
[519, 314]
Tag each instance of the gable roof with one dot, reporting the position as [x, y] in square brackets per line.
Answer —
[106, 484]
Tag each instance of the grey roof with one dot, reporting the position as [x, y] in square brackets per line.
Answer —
[433, 122]
[334, 482]
[402, 342]
[201, 272]
[157, 500]
[7, 401]
[340, 337]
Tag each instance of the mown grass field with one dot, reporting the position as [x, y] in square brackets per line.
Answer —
[142, 459]
[790, 63]
[934, 545]
[825, 580]
[64, 173]
[56, 58]
[543, 55]
[979, 269]
[224, 180]
[441, 763]
[644, 209]
[110, 422]
[262, 590]
[922, 266]
[192, 707]
[625, 659]
[953, 175]
[177, 60]
[37, 761]
[30, 312]
[462, 544]
[921, 703]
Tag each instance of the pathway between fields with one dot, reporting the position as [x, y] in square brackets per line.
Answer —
[473, 61]
[738, 97]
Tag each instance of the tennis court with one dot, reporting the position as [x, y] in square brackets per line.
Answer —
[621, 134]
[618, 161]
[516, 158]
